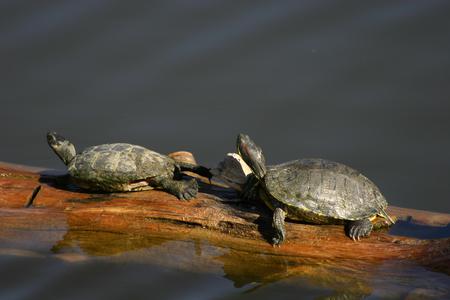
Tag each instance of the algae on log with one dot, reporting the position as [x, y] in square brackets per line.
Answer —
[39, 207]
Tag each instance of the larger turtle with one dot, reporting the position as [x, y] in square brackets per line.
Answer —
[123, 167]
[315, 191]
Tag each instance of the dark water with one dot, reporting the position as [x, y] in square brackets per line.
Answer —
[155, 268]
[366, 84]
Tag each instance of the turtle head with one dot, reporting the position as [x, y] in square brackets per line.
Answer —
[251, 154]
[62, 147]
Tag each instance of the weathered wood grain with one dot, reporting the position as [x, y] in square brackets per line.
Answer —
[59, 213]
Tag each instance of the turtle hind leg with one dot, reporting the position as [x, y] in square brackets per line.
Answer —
[182, 189]
[278, 226]
[200, 170]
[358, 228]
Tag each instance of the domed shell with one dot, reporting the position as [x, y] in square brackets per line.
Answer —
[111, 164]
[324, 188]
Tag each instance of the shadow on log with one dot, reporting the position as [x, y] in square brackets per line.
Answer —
[39, 212]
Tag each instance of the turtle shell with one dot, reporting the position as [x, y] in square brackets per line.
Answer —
[322, 190]
[112, 167]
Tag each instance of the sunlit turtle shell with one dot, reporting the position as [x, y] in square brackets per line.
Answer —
[322, 191]
[119, 167]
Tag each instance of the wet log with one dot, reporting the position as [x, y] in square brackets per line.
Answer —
[38, 207]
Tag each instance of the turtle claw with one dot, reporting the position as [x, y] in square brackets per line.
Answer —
[358, 229]
[189, 190]
[278, 238]
[276, 241]
[352, 233]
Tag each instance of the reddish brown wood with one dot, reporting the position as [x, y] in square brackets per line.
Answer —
[58, 216]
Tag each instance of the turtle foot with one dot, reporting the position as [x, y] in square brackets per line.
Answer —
[278, 226]
[277, 240]
[188, 190]
[358, 229]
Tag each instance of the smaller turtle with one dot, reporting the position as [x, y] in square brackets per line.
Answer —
[315, 191]
[124, 167]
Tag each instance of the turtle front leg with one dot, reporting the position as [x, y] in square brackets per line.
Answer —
[358, 228]
[278, 226]
[182, 189]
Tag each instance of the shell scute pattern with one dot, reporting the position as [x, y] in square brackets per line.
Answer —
[119, 163]
[150, 163]
[325, 188]
[126, 164]
[106, 161]
[123, 147]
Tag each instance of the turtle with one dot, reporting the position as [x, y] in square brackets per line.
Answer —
[122, 167]
[315, 191]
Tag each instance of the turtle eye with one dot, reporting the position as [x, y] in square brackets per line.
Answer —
[51, 139]
[52, 136]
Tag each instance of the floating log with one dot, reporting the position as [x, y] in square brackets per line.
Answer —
[38, 206]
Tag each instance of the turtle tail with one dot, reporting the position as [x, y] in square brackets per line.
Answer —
[61, 146]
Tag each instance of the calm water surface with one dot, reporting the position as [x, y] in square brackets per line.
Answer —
[366, 84]
[77, 267]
